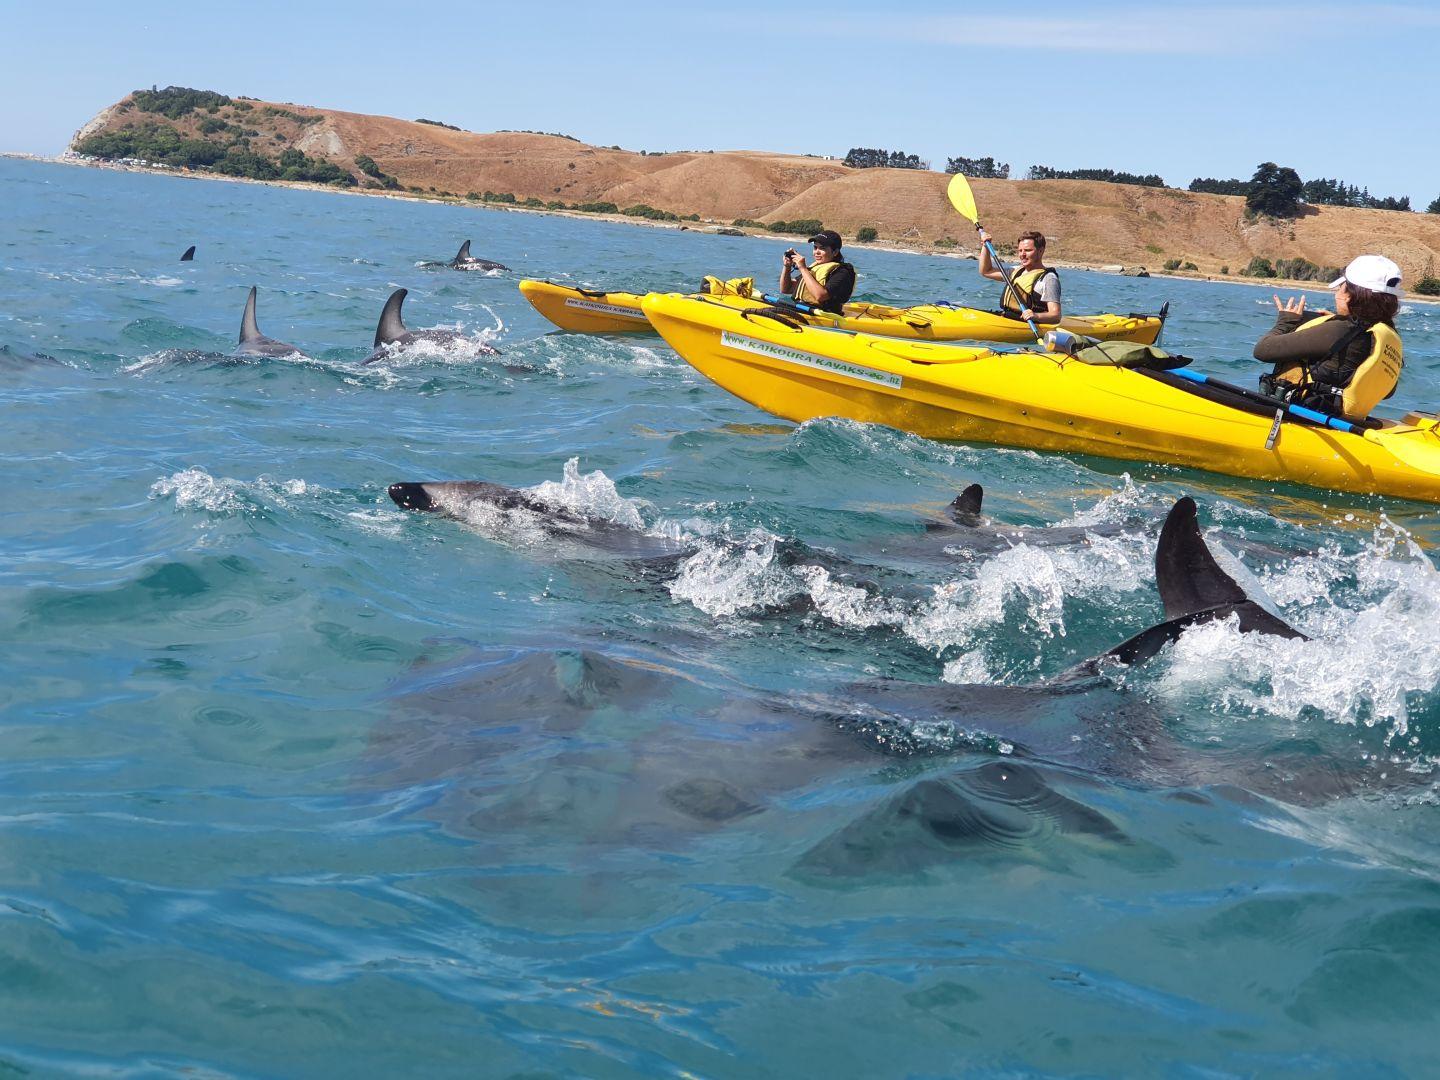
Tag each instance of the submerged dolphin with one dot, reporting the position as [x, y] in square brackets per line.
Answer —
[666, 755]
[392, 332]
[254, 343]
[477, 500]
[576, 534]
[465, 261]
[189, 255]
[1124, 736]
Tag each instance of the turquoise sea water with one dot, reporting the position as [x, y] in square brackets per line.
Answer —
[298, 784]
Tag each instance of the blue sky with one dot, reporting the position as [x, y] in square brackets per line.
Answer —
[1180, 89]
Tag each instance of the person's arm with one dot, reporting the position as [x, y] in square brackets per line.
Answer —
[1286, 344]
[787, 283]
[988, 268]
[841, 284]
[1044, 315]
[818, 293]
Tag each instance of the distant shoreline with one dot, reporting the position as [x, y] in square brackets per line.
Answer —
[705, 228]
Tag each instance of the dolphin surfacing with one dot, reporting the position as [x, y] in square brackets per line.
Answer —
[465, 261]
[392, 333]
[253, 342]
[467, 500]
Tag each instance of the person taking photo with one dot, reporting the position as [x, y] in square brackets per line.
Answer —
[827, 283]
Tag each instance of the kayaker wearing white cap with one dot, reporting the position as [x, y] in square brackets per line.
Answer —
[1342, 363]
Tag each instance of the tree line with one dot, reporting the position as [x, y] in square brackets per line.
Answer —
[1277, 191]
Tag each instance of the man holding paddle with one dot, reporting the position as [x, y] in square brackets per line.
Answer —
[1032, 292]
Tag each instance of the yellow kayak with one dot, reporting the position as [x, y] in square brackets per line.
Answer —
[595, 312]
[1038, 400]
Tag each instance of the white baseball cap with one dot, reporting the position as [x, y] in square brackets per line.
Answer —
[1373, 272]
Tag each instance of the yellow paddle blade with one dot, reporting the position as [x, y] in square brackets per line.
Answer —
[962, 198]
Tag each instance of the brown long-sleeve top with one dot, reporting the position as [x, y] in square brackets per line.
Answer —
[1285, 345]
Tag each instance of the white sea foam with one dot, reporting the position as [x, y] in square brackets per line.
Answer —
[196, 489]
[593, 494]
[722, 582]
[1371, 617]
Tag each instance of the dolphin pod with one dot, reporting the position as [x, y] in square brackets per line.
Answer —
[1012, 783]
[1193, 588]
[389, 335]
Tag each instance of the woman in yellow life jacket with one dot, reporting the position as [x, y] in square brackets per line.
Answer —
[828, 284]
[1346, 362]
[1033, 291]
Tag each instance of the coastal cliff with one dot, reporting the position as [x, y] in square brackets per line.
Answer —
[1088, 222]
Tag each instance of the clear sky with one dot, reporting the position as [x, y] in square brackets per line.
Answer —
[1182, 89]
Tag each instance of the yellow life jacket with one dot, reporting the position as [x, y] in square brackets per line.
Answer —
[1373, 381]
[1376, 377]
[1025, 282]
[822, 271]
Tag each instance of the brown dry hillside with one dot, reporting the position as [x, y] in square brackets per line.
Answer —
[1088, 222]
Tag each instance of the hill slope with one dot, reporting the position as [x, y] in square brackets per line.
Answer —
[1087, 222]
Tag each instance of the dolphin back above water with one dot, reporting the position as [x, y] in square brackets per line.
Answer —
[392, 333]
[1194, 590]
[253, 342]
[465, 261]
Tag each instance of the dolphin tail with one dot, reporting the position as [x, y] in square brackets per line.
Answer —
[391, 326]
[248, 330]
[189, 255]
[463, 253]
[965, 508]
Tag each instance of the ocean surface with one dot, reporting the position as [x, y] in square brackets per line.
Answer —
[294, 783]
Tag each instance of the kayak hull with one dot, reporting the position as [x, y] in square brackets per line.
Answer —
[593, 312]
[1034, 400]
[585, 311]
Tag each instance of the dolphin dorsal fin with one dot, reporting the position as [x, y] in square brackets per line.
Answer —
[391, 327]
[189, 255]
[463, 253]
[1187, 575]
[248, 330]
[965, 507]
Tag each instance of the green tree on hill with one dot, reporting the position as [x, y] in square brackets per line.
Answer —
[1275, 191]
[1107, 176]
[985, 168]
[176, 101]
[1220, 187]
[863, 157]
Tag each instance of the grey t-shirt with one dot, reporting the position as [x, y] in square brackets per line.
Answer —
[1048, 290]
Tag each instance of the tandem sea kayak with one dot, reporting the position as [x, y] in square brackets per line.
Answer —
[593, 312]
[1036, 400]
